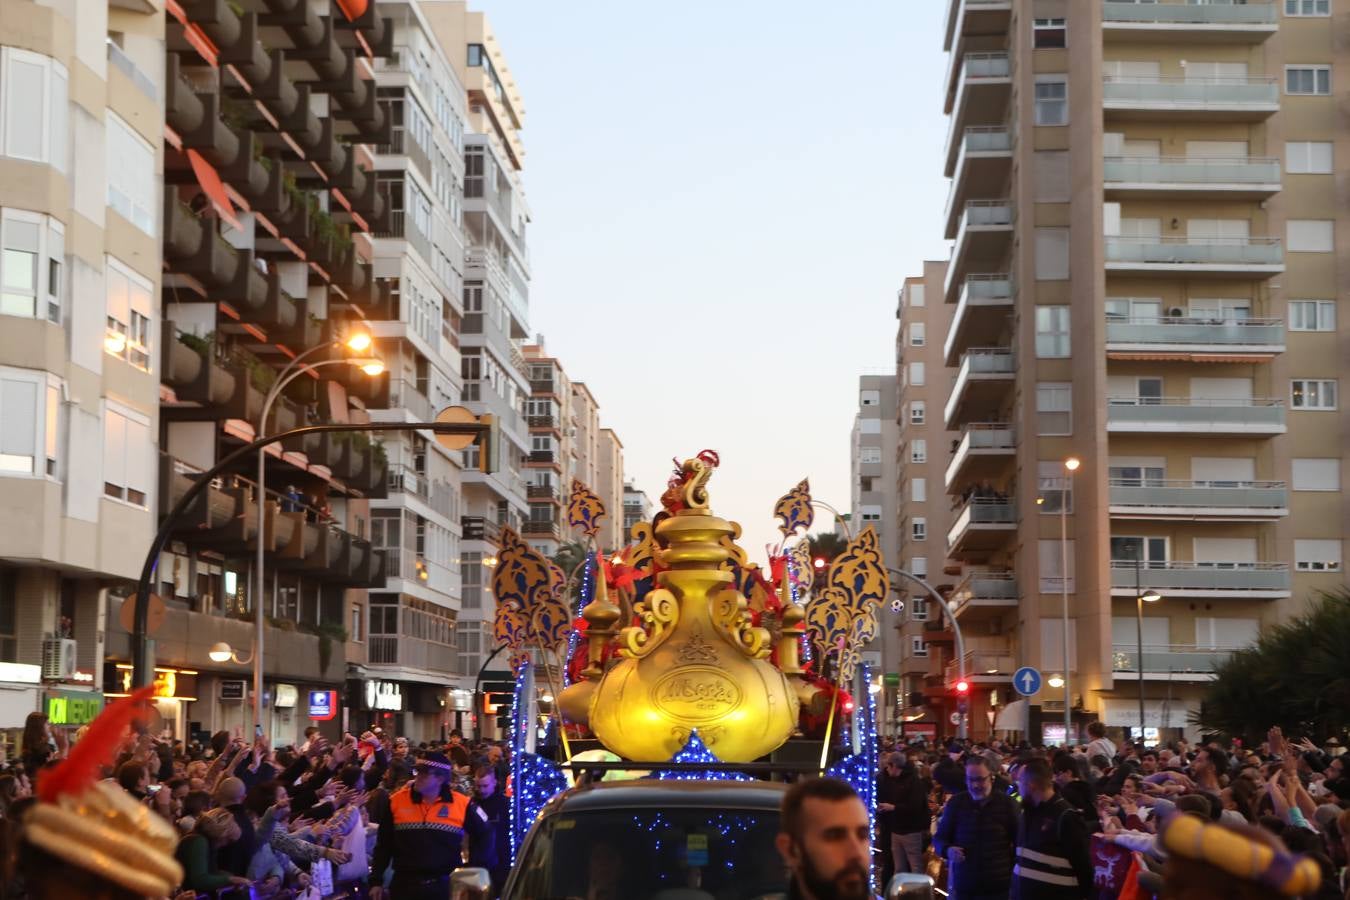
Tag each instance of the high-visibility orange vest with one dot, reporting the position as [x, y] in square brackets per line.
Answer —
[434, 814]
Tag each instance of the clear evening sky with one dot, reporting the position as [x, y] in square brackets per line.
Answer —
[726, 198]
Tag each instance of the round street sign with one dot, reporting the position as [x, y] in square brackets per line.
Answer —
[154, 614]
[1026, 681]
[458, 415]
[955, 718]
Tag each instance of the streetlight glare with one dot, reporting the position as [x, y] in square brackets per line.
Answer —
[1151, 597]
[359, 342]
[1072, 463]
[373, 367]
[1056, 681]
[220, 652]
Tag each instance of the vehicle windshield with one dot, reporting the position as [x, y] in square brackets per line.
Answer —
[653, 854]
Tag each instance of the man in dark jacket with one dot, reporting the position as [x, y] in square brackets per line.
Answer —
[976, 834]
[949, 773]
[1053, 858]
[908, 817]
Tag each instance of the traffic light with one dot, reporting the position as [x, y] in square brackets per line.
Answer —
[819, 562]
[963, 688]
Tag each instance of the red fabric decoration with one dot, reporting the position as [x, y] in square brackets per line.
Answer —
[98, 748]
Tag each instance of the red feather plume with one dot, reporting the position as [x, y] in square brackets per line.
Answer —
[95, 750]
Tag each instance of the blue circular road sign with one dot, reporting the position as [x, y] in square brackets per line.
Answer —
[1026, 681]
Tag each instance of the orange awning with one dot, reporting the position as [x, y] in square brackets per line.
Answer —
[209, 179]
[352, 9]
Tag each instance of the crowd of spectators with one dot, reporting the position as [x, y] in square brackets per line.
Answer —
[255, 821]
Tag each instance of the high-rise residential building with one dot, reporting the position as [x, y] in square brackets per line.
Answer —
[872, 502]
[264, 219]
[496, 305]
[923, 510]
[1145, 223]
[637, 507]
[609, 487]
[81, 126]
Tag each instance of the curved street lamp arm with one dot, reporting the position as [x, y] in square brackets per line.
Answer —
[951, 618]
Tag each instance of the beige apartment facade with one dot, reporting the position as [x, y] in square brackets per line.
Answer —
[1144, 223]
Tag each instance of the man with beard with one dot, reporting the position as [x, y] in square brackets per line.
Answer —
[976, 834]
[825, 839]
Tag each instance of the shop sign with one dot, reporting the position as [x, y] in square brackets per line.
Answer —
[322, 705]
[170, 684]
[286, 696]
[73, 707]
[20, 673]
[384, 695]
[232, 689]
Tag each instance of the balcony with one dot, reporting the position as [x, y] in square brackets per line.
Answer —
[541, 529]
[223, 517]
[982, 240]
[974, 17]
[1255, 580]
[542, 386]
[1165, 177]
[411, 653]
[978, 89]
[971, 325]
[404, 479]
[1194, 338]
[982, 526]
[1248, 22]
[983, 161]
[1168, 662]
[477, 528]
[984, 596]
[542, 423]
[1219, 99]
[1216, 501]
[1219, 257]
[984, 449]
[542, 492]
[410, 397]
[542, 458]
[982, 667]
[981, 383]
[1191, 415]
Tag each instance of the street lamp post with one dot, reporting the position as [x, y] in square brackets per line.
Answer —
[358, 342]
[956, 632]
[1070, 465]
[1140, 598]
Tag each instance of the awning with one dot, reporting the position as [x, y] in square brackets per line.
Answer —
[1157, 713]
[1012, 717]
[209, 179]
[353, 9]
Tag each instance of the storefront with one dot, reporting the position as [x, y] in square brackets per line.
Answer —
[419, 712]
[175, 690]
[19, 696]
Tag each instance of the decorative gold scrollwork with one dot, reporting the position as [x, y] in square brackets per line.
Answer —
[794, 510]
[658, 614]
[584, 509]
[729, 614]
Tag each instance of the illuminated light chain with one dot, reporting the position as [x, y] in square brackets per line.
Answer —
[695, 751]
[534, 780]
[586, 592]
[517, 752]
[729, 827]
[860, 769]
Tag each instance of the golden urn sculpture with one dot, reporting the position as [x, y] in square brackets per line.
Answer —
[696, 661]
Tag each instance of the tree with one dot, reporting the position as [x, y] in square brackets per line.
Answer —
[1297, 676]
[827, 545]
[569, 556]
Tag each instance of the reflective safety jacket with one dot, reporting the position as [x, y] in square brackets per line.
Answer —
[423, 838]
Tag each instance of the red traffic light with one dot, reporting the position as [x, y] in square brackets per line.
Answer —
[848, 706]
[963, 687]
[820, 562]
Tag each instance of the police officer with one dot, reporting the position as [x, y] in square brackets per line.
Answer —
[422, 835]
[1053, 859]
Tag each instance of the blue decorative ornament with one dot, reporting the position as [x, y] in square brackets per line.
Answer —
[860, 769]
[695, 751]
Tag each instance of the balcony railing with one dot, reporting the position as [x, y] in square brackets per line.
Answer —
[981, 663]
[987, 214]
[1269, 496]
[1257, 93]
[1161, 332]
[541, 492]
[1208, 577]
[1190, 170]
[478, 528]
[978, 363]
[541, 386]
[410, 396]
[977, 67]
[542, 422]
[538, 528]
[399, 650]
[1249, 12]
[981, 511]
[1206, 251]
[989, 289]
[1168, 659]
[981, 439]
[542, 456]
[997, 590]
[1182, 414]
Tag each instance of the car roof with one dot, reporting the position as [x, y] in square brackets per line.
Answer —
[647, 792]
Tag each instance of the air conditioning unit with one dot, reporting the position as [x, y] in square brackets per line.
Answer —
[1176, 312]
[58, 659]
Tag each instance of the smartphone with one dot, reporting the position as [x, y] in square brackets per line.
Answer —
[257, 731]
[154, 788]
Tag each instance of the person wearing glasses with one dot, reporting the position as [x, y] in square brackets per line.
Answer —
[976, 835]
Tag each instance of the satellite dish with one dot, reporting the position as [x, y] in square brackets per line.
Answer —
[461, 416]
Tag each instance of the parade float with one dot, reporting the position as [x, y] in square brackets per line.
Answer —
[678, 657]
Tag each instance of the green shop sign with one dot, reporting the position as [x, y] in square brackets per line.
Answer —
[73, 707]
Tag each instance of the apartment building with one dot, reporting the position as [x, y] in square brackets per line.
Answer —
[609, 487]
[923, 510]
[637, 507]
[1144, 224]
[496, 279]
[80, 162]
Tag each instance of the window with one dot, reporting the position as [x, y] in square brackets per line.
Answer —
[129, 315]
[1052, 254]
[916, 295]
[1151, 551]
[1052, 100]
[1053, 578]
[869, 426]
[870, 513]
[1137, 472]
[918, 528]
[30, 410]
[1307, 7]
[1054, 408]
[918, 609]
[870, 455]
[1053, 487]
[1317, 474]
[1308, 80]
[1312, 315]
[916, 373]
[917, 646]
[1312, 393]
[1307, 157]
[1310, 236]
[918, 565]
[1050, 174]
[917, 412]
[1052, 332]
[918, 490]
[358, 622]
[126, 455]
[32, 258]
[133, 189]
[918, 450]
[1317, 555]
[34, 105]
[870, 398]
[1048, 33]
[917, 334]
